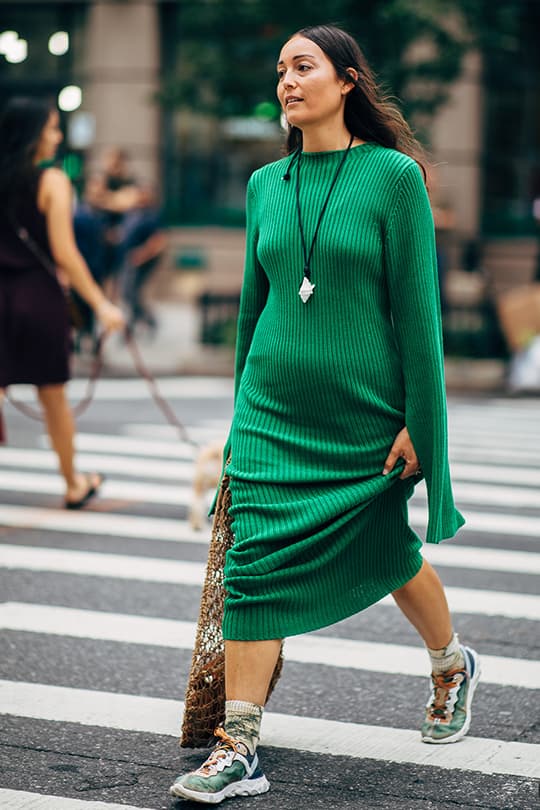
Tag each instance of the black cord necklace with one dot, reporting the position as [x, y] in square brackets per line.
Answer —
[306, 288]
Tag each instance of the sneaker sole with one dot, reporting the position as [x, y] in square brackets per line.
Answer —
[247, 787]
[470, 694]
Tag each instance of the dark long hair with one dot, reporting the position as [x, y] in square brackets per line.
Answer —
[369, 114]
[21, 124]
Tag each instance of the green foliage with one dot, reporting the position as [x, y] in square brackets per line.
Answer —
[226, 50]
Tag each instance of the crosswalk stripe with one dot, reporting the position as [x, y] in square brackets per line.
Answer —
[150, 569]
[104, 524]
[490, 495]
[117, 525]
[90, 563]
[129, 389]
[493, 435]
[130, 446]
[130, 466]
[494, 404]
[23, 800]
[163, 716]
[218, 428]
[136, 491]
[486, 438]
[124, 466]
[503, 418]
[486, 559]
[489, 523]
[489, 603]
[396, 659]
[494, 455]
[180, 495]
[507, 419]
[527, 476]
[461, 600]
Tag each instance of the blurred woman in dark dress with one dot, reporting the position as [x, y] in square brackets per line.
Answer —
[34, 321]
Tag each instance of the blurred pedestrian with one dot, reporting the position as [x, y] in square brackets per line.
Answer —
[36, 233]
[144, 244]
[339, 401]
[114, 193]
[89, 229]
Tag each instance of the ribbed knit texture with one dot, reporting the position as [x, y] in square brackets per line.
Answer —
[323, 388]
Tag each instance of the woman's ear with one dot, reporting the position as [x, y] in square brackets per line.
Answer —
[348, 85]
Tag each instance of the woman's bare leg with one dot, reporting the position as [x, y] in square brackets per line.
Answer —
[61, 430]
[423, 602]
[249, 666]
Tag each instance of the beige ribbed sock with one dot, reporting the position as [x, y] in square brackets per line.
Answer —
[243, 722]
[447, 658]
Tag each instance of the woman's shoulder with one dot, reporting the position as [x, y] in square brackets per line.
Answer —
[268, 174]
[393, 163]
[54, 178]
[53, 183]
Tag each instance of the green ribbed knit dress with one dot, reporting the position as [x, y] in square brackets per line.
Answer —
[323, 388]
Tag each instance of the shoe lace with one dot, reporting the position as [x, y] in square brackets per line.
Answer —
[221, 751]
[443, 684]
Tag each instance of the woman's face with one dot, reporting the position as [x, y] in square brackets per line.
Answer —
[50, 138]
[309, 89]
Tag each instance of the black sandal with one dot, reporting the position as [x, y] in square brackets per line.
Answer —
[92, 490]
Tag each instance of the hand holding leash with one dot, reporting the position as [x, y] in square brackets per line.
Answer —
[110, 317]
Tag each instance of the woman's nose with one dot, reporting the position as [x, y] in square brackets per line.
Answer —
[288, 79]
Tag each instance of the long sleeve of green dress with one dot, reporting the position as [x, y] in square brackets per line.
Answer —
[411, 267]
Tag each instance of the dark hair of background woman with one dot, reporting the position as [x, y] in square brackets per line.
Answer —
[21, 123]
[369, 115]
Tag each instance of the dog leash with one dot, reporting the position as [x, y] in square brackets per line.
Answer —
[95, 373]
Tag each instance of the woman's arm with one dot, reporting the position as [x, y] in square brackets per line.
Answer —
[55, 201]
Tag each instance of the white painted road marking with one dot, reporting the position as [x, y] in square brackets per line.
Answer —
[105, 524]
[130, 466]
[22, 800]
[117, 525]
[345, 653]
[152, 569]
[129, 389]
[135, 491]
[123, 466]
[89, 563]
[161, 716]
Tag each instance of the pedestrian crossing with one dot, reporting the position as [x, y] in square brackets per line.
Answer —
[308, 649]
[93, 675]
[158, 716]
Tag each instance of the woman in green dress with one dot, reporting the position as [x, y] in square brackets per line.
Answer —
[340, 403]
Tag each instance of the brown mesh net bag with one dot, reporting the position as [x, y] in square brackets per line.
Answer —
[204, 708]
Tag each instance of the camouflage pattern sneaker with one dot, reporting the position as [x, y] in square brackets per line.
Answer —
[448, 712]
[230, 770]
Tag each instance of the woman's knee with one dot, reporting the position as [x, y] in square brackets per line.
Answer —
[51, 395]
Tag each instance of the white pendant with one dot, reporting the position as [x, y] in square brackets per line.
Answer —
[306, 290]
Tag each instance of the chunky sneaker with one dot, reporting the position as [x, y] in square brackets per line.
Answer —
[230, 770]
[448, 711]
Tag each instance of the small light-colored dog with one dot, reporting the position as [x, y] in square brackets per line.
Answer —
[206, 476]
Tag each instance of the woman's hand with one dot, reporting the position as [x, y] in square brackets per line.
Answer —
[402, 448]
[111, 317]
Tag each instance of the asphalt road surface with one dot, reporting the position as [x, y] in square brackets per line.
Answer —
[98, 608]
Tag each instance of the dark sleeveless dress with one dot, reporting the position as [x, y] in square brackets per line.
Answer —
[34, 320]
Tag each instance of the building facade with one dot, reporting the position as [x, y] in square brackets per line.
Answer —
[485, 140]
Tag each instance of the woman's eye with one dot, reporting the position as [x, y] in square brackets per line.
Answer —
[303, 68]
